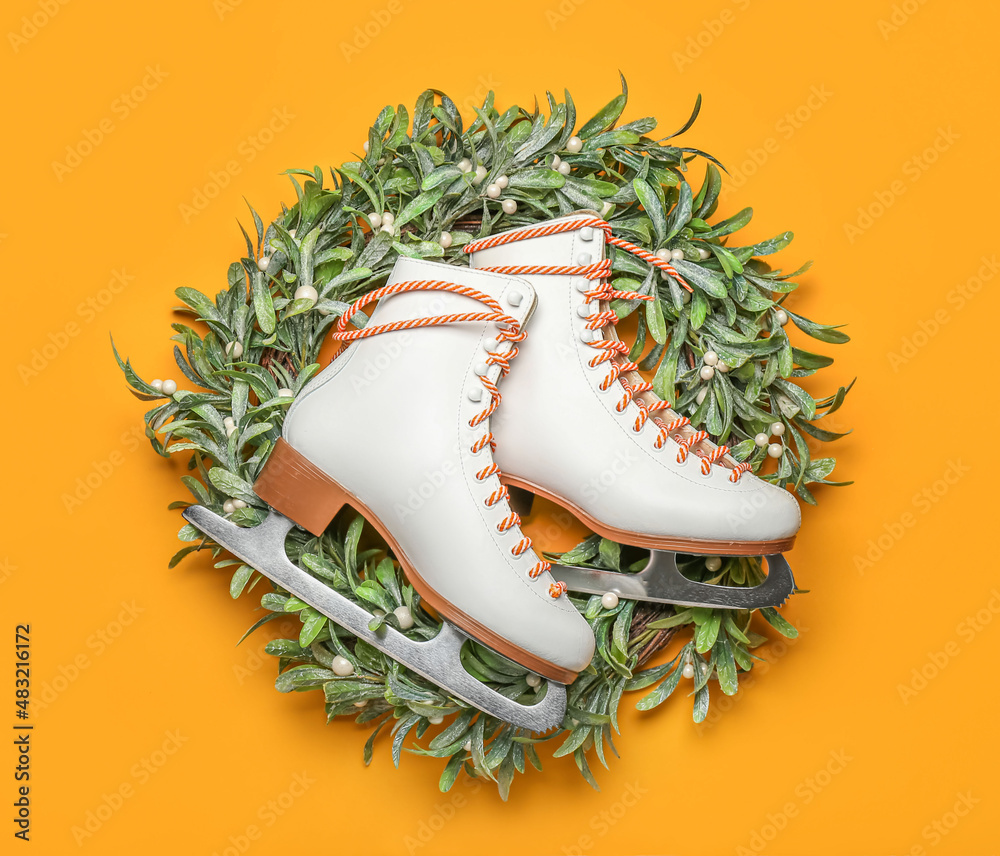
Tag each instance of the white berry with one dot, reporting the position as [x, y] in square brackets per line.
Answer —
[663, 254]
[676, 255]
[285, 392]
[306, 292]
[782, 317]
[366, 146]
[480, 174]
[713, 564]
[362, 703]
[556, 160]
[388, 218]
[774, 450]
[761, 440]
[722, 367]
[707, 372]
[564, 169]
[493, 191]
[263, 262]
[777, 428]
[502, 182]
[235, 350]
[609, 600]
[227, 506]
[574, 144]
[239, 503]
[465, 165]
[230, 430]
[229, 422]
[467, 746]
[342, 666]
[444, 239]
[157, 384]
[169, 387]
[404, 617]
[375, 220]
[533, 680]
[710, 358]
[606, 209]
[389, 228]
[435, 720]
[291, 233]
[704, 254]
[700, 397]
[688, 670]
[509, 206]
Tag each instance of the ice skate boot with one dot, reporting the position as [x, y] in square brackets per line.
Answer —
[581, 427]
[398, 427]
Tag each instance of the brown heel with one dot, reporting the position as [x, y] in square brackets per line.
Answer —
[293, 486]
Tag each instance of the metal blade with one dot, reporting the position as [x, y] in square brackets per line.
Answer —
[662, 582]
[437, 659]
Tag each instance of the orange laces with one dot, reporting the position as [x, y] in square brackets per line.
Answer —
[613, 351]
[510, 332]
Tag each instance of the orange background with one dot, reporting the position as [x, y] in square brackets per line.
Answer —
[133, 656]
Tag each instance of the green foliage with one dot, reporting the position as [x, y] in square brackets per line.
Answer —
[325, 240]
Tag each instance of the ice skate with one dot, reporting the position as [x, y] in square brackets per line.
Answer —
[411, 399]
[578, 414]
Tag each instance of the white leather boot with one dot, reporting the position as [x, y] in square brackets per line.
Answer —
[398, 427]
[582, 428]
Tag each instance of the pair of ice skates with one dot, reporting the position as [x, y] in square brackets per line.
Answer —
[412, 408]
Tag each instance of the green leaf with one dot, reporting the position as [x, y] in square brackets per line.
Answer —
[605, 118]
[416, 207]
[536, 178]
[654, 208]
[772, 617]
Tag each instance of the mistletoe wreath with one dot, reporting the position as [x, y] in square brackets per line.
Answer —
[424, 188]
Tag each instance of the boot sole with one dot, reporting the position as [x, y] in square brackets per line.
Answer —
[293, 486]
[697, 546]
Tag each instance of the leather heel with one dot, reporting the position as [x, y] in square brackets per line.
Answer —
[293, 486]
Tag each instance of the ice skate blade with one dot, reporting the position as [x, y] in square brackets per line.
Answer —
[661, 582]
[437, 659]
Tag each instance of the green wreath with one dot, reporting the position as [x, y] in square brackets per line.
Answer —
[437, 179]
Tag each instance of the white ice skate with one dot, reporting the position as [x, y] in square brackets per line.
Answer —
[582, 428]
[398, 427]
